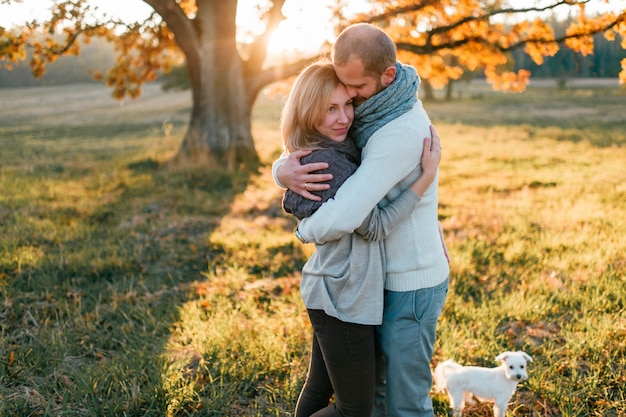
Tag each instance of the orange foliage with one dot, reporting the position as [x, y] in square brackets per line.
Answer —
[447, 37]
[144, 49]
[443, 38]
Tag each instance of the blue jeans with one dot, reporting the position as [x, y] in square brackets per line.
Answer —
[343, 363]
[405, 344]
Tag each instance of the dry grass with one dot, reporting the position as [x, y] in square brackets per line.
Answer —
[129, 288]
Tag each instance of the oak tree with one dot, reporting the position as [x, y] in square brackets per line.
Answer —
[442, 38]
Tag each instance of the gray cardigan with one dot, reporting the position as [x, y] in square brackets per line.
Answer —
[345, 277]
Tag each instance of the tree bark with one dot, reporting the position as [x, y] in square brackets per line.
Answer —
[449, 90]
[219, 130]
[427, 88]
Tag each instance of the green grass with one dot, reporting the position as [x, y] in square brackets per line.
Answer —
[129, 287]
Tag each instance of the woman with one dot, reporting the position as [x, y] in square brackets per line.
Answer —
[342, 285]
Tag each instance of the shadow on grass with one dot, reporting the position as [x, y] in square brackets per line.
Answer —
[92, 278]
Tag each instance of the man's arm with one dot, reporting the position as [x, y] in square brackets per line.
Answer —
[289, 173]
[391, 155]
[382, 221]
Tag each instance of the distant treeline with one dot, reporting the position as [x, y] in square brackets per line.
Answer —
[604, 63]
[99, 55]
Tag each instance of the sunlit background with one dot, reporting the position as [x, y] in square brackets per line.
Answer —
[307, 25]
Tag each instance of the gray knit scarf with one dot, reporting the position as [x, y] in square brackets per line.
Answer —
[390, 103]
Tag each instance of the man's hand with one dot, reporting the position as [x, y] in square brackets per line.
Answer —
[299, 178]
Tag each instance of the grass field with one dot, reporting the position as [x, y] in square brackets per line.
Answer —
[132, 288]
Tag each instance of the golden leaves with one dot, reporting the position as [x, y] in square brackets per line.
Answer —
[609, 36]
[12, 48]
[514, 82]
[189, 7]
[48, 40]
[142, 55]
[540, 39]
[445, 38]
[145, 49]
[582, 44]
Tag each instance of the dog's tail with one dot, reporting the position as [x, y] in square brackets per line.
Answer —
[441, 374]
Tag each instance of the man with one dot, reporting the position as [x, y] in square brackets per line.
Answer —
[389, 126]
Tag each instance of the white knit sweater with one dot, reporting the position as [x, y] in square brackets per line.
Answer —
[390, 164]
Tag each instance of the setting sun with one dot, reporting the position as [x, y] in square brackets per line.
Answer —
[289, 40]
[306, 27]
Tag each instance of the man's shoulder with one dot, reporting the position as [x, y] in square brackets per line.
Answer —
[415, 119]
[417, 113]
[411, 126]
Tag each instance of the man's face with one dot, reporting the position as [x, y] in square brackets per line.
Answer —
[360, 87]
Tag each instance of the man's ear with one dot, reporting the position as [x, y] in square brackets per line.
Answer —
[388, 75]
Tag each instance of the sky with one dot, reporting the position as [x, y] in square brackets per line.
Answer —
[130, 9]
[29, 9]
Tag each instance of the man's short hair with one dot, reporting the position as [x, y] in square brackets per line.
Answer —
[370, 44]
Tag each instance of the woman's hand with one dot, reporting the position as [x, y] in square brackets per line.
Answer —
[431, 156]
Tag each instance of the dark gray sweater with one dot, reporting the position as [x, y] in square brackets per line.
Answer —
[343, 159]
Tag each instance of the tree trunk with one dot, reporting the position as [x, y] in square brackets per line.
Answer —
[449, 90]
[219, 131]
[427, 88]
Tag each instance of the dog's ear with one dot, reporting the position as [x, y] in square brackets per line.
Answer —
[502, 357]
[526, 356]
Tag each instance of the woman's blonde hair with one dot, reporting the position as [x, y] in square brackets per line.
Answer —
[307, 104]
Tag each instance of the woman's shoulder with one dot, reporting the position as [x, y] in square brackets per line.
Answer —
[334, 151]
[328, 154]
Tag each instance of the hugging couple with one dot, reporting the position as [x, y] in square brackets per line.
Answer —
[360, 169]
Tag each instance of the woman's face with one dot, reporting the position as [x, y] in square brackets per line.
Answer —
[338, 116]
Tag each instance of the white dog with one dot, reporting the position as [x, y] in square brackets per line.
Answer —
[496, 385]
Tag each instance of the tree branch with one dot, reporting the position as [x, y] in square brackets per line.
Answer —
[178, 22]
[442, 29]
[429, 48]
[392, 12]
[258, 49]
[267, 76]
